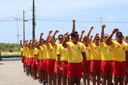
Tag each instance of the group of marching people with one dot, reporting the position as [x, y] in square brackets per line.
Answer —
[70, 57]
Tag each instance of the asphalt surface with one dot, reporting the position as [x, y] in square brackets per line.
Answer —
[11, 73]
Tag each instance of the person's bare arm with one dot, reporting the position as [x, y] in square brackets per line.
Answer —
[88, 35]
[21, 43]
[40, 38]
[56, 31]
[47, 39]
[65, 40]
[109, 39]
[81, 36]
[102, 33]
[84, 58]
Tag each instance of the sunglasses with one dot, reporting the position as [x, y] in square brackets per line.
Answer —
[119, 36]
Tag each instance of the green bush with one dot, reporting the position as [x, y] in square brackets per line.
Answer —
[10, 56]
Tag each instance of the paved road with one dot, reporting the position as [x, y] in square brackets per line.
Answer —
[11, 73]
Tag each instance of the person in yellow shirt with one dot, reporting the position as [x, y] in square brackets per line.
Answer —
[51, 57]
[23, 55]
[95, 60]
[126, 77]
[64, 54]
[86, 71]
[106, 59]
[119, 55]
[32, 58]
[126, 39]
[57, 69]
[76, 56]
[26, 49]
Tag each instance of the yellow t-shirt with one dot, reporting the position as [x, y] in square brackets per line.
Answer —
[106, 53]
[22, 51]
[26, 52]
[63, 52]
[36, 52]
[88, 53]
[95, 52]
[31, 52]
[44, 50]
[118, 51]
[52, 50]
[75, 52]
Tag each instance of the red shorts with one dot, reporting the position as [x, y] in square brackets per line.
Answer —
[29, 61]
[87, 68]
[95, 66]
[106, 66]
[50, 63]
[33, 63]
[56, 67]
[41, 65]
[23, 59]
[119, 68]
[64, 65]
[74, 70]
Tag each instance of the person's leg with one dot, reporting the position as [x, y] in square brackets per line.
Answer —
[77, 81]
[71, 73]
[116, 80]
[78, 72]
[64, 80]
[93, 67]
[123, 72]
[93, 75]
[50, 71]
[84, 78]
[88, 79]
[109, 82]
[71, 80]
[63, 69]
[98, 78]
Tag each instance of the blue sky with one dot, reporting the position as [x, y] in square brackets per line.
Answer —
[58, 14]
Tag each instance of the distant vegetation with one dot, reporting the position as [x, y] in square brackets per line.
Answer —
[9, 50]
[7, 47]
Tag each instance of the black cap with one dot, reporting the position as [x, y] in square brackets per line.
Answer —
[119, 33]
[60, 36]
[97, 37]
[126, 37]
[74, 33]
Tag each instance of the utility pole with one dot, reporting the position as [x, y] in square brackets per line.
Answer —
[17, 19]
[23, 25]
[73, 26]
[101, 20]
[33, 21]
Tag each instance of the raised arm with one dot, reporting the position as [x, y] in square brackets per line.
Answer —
[56, 31]
[81, 36]
[65, 40]
[109, 39]
[40, 38]
[47, 39]
[102, 33]
[88, 34]
[21, 44]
